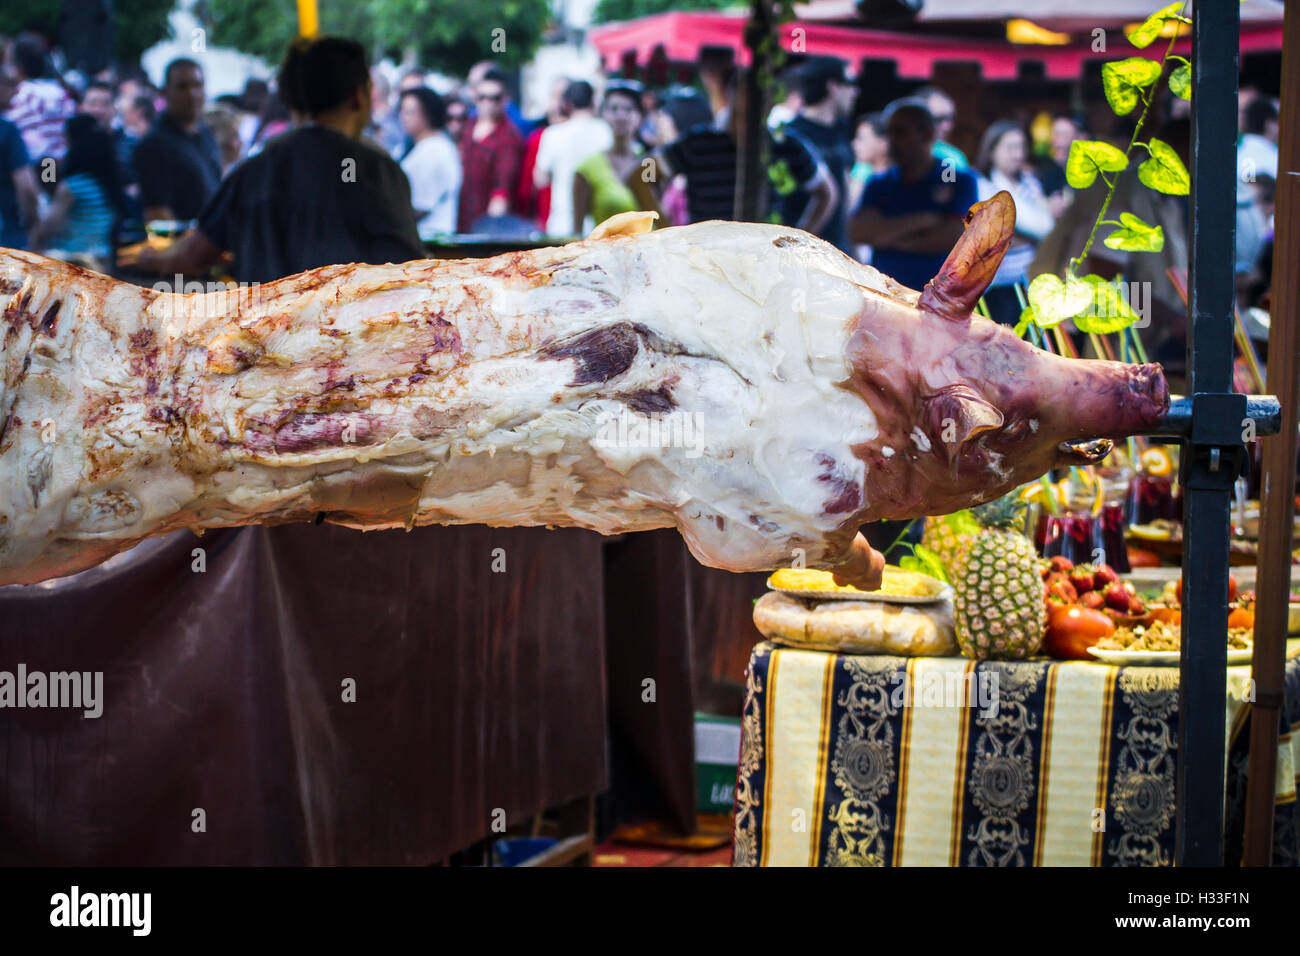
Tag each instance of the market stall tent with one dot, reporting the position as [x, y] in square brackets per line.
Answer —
[1051, 14]
[682, 35]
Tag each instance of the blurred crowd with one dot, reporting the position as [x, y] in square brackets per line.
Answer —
[84, 164]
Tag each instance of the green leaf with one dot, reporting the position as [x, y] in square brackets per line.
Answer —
[1055, 301]
[782, 179]
[1087, 158]
[1163, 171]
[1180, 81]
[925, 561]
[1026, 319]
[1143, 36]
[1108, 312]
[1124, 81]
[1135, 236]
[962, 522]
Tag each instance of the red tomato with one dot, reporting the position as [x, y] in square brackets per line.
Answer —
[1142, 558]
[1071, 630]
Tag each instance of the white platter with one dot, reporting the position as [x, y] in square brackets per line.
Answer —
[1236, 655]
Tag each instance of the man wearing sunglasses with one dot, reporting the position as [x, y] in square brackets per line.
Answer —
[491, 150]
[944, 111]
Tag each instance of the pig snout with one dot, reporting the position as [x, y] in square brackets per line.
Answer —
[1149, 382]
[1110, 399]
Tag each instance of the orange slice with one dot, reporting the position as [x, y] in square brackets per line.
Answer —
[1156, 461]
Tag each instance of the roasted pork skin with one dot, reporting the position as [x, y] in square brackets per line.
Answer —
[795, 395]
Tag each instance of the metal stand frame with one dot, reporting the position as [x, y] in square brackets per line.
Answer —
[1214, 451]
[1214, 423]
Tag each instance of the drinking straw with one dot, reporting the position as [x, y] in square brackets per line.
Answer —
[1137, 344]
[1050, 489]
[1040, 337]
[1178, 278]
[1064, 345]
[1248, 351]
[1101, 346]
[1037, 334]
[1247, 347]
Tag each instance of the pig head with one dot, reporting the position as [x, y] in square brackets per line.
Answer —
[966, 409]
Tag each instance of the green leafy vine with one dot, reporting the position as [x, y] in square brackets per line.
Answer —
[1095, 304]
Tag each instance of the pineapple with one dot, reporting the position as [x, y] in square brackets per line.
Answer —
[998, 603]
[948, 536]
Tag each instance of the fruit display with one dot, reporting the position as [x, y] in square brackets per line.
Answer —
[1085, 604]
[998, 604]
[1091, 606]
[949, 537]
[1168, 606]
[1096, 586]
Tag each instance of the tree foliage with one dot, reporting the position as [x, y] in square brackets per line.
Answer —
[137, 24]
[42, 16]
[448, 35]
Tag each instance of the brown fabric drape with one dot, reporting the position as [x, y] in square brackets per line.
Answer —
[647, 593]
[223, 690]
[691, 629]
[722, 624]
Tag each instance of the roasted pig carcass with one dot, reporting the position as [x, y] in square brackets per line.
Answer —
[747, 384]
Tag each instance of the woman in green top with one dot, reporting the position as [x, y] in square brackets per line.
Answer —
[610, 182]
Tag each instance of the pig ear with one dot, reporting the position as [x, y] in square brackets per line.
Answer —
[625, 224]
[969, 268]
[958, 415]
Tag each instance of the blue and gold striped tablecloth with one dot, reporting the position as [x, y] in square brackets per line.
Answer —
[939, 761]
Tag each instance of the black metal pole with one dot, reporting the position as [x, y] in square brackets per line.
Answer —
[750, 200]
[1210, 459]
